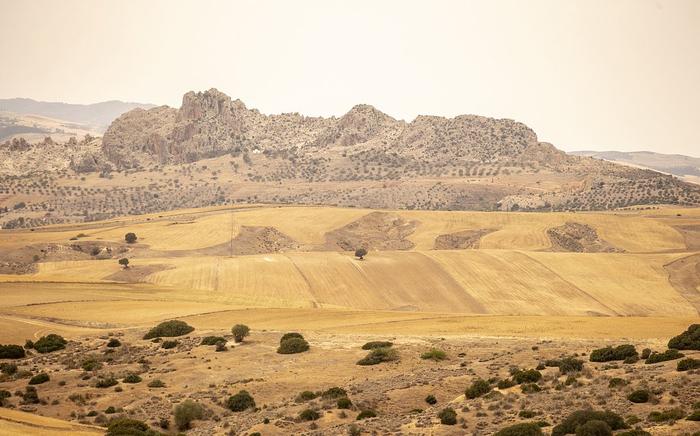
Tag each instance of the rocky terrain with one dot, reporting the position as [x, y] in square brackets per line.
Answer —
[214, 150]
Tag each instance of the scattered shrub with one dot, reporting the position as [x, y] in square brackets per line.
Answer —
[169, 344]
[608, 354]
[240, 402]
[527, 414]
[114, 343]
[523, 429]
[305, 396]
[379, 355]
[220, 346]
[39, 379]
[670, 354]
[580, 417]
[344, 403]
[212, 340]
[434, 354]
[11, 352]
[240, 331]
[106, 382]
[616, 382]
[186, 412]
[505, 384]
[309, 415]
[430, 399]
[132, 378]
[157, 383]
[530, 388]
[448, 416]
[4, 394]
[334, 393]
[527, 376]
[639, 396]
[688, 340]
[666, 415]
[91, 364]
[478, 388]
[570, 364]
[377, 344]
[687, 364]
[369, 413]
[293, 345]
[169, 329]
[128, 427]
[594, 428]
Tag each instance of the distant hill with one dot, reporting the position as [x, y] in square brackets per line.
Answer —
[97, 116]
[685, 167]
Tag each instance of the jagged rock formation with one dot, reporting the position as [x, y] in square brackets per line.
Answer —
[214, 150]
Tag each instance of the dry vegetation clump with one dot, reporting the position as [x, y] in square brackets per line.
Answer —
[186, 412]
[448, 416]
[169, 329]
[379, 355]
[670, 354]
[688, 340]
[292, 344]
[688, 364]
[377, 344]
[608, 354]
[581, 417]
[522, 429]
[434, 354]
[49, 343]
[11, 352]
[478, 388]
[240, 402]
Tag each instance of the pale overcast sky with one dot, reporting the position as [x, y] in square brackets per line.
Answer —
[605, 74]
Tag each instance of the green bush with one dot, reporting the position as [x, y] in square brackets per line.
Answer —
[49, 343]
[688, 340]
[39, 379]
[132, 378]
[639, 396]
[157, 383]
[110, 410]
[91, 364]
[434, 354]
[169, 329]
[671, 354]
[305, 396]
[4, 394]
[666, 415]
[130, 238]
[212, 340]
[28, 344]
[524, 429]
[430, 399]
[129, 427]
[695, 416]
[505, 384]
[377, 344]
[240, 402]
[11, 352]
[369, 413]
[527, 376]
[334, 393]
[289, 336]
[106, 382]
[527, 414]
[594, 428]
[580, 417]
[30, 396]
[570, 364]
[293, 345]
[645, 353]
[687, 364]
[448, 416]
[240, 331]
[309, 415]
[631, 359]
[8, 368]
[186, 412]
[114, 343]
[379, 355]
[344, 403]
[608, 354]
[169, 344]
[478, 388]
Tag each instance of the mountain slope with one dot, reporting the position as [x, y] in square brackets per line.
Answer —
[685, 167]
[97, 115]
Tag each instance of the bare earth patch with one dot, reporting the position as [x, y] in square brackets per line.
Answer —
[460, 240]
[374, 231]
[579, 238]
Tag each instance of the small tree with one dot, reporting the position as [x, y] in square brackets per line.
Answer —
[186, 412]
[124, 262]
[240, 331]
[360, 253]
[130, 238]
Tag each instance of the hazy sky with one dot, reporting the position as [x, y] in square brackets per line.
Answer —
[608, 74]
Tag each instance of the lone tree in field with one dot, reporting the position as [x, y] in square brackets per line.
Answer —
[130, 238]
[360, 253]
[124, 262]
[240, 331]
